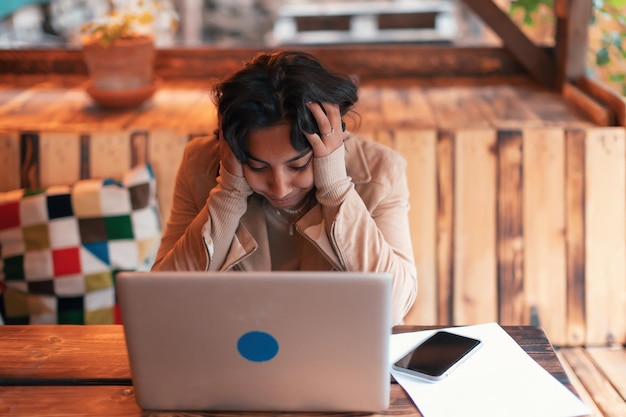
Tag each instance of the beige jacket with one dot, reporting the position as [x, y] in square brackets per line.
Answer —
[369, 231]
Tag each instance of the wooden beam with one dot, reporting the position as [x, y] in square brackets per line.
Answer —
[364, 61]
[606, 95]
[573, 17]
[534, 59]
[597, 112]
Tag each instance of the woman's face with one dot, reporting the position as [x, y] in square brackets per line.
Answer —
[275, 169]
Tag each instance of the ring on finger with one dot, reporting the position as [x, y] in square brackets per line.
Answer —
[332, 130]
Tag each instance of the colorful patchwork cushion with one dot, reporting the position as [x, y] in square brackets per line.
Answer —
[61, 247]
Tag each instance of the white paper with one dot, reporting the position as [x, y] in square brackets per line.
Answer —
[499, 379]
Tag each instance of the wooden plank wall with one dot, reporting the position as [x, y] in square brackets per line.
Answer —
[520, 223]
[521, 227]
[517, 208]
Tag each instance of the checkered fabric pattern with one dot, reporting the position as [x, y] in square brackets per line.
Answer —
[61, 247]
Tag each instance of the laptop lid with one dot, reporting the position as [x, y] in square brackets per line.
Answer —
[258, 341]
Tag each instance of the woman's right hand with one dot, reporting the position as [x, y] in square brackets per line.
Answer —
[229, 161]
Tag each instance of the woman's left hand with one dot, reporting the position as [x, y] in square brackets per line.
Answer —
[329, 124]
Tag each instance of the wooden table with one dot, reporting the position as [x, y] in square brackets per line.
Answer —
[66, 370]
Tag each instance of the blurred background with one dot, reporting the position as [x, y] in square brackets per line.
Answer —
[274, 23]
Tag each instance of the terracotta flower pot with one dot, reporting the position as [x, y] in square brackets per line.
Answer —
[122, 75]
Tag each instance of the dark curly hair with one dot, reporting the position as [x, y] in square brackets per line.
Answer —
[274, 88]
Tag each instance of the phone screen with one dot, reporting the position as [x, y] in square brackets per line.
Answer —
[433, 358]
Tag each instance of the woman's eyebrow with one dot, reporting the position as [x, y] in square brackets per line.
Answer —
[295, 158]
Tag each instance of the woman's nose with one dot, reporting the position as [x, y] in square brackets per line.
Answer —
[279, 185]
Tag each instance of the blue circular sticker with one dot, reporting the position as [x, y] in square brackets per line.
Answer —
[257, 346]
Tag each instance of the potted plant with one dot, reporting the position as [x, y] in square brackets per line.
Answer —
[119, 50]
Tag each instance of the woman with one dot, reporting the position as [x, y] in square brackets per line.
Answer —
[282, 186]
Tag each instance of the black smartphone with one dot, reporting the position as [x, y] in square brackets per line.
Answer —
[437, 356]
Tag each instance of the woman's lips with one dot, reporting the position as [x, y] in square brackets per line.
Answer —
[282, 202]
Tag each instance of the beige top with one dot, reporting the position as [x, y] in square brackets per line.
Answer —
[358, 220]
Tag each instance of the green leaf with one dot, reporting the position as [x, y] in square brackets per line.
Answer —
[617, 40]
[529, 7]
[618, 4]
[602, 57]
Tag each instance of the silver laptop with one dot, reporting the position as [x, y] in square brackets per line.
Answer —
[258, 341]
